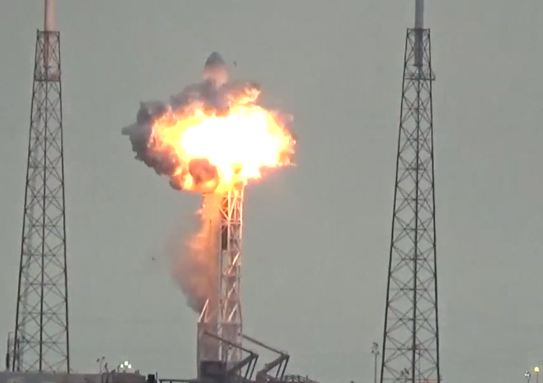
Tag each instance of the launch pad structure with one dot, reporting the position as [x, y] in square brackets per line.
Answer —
[221, 356]
[221, 315]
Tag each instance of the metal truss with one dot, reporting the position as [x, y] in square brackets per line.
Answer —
[221, 315]
[411, 338]
[41, 341]
[233, 371]
[229, 324]
[207, 346]
[279, 364]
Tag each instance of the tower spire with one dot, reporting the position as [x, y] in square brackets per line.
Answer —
[419, 14]
[49, 16]
[48, 27]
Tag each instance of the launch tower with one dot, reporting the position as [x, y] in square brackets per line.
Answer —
[222, 315]
[41, 341]
[411, 338]
[230, 320]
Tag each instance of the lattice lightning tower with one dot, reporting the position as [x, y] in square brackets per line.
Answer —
[411, 337]
[41, 340]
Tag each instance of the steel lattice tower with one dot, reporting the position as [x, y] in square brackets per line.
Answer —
[222, 315]
[41, 341]
[411, 337]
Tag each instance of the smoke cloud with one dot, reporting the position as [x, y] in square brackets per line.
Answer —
[194, 256]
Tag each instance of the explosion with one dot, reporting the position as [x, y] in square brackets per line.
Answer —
[211, 137]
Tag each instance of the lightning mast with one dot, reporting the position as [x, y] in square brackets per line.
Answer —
[41, 340]
[411, 338]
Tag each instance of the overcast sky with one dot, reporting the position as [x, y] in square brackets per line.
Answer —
[316, 236]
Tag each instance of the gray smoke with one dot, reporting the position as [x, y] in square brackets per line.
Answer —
[194, 255]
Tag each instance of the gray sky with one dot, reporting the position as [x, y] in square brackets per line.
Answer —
[317, 235]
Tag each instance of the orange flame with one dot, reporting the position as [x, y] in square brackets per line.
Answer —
[213, 151]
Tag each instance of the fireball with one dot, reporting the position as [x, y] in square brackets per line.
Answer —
[213, 135]
[212, 152]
